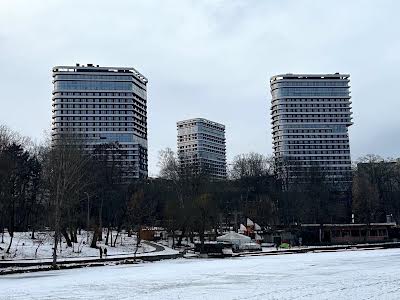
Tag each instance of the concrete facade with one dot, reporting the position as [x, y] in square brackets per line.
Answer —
[201, 143]
[103, 105]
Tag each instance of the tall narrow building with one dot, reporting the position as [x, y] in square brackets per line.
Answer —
[103, 105]
[311, 115]
[201, 144]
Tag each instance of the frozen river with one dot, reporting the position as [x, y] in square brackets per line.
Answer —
[340, 275]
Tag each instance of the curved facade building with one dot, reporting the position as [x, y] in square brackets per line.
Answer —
[103, 105]
[310, 119]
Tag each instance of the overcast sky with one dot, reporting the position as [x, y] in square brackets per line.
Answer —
[210, 59]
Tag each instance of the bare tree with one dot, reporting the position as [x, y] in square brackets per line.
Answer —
[251, 165]
[19, 182]
[66, 171]
[189, 182]
[376, 189]
[254, 176]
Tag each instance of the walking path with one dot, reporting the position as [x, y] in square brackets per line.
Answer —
[160, 252]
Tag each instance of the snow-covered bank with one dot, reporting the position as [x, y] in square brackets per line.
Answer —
[40, 248]
[39, 265]
[31, 255]
[340, 275]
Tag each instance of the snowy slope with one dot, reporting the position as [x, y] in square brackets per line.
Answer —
[23, 247]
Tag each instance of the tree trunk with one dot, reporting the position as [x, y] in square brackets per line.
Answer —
[33, 233]
[54, 263]
[94, 239]
[11, 228]
[99, 234]
[108, 234]
[75, 232]
[58, 198]
[202, 230]
[11, 240]
[67, 238]
[36, 251]
[72, 236]
[100, 237]
[201, 234]
[115, 241]
[191, 235]
[181, 236]
[137, 243]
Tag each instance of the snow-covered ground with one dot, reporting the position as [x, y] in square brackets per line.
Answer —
[372, 274]
[23, 247]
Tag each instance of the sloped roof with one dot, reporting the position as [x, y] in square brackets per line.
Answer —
[249, 222]
[233, 236]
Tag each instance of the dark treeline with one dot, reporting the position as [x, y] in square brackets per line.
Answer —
[62, 188]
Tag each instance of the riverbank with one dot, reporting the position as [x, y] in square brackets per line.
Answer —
[34, 265]
[161, 252]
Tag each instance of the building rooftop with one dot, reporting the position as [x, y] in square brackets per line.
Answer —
[309, 76]
[200, 120]
[97, 68]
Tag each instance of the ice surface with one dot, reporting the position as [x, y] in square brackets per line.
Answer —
[372, 274]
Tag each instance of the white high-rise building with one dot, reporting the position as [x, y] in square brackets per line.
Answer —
[311, 114]
[201, 144]
[103, 105]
